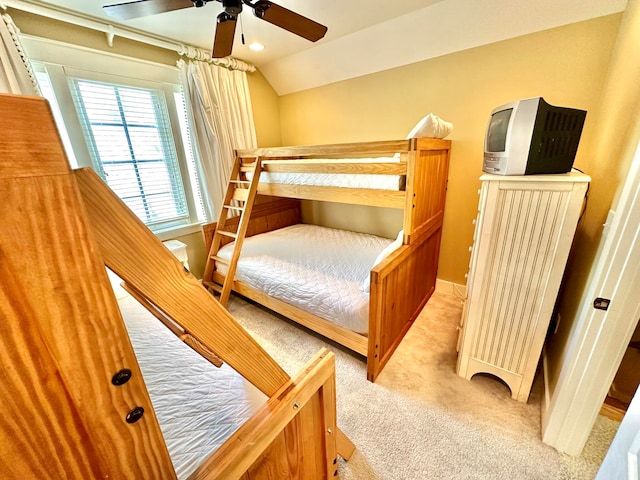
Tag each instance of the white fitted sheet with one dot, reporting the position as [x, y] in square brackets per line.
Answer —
[318, 269]
[380, 182]
[198, 405]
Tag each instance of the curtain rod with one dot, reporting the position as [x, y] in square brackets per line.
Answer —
[111, 31]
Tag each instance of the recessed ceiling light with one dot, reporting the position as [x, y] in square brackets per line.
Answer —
[256, 46]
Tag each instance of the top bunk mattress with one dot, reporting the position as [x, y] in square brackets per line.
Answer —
[343, 180]
[320, 270]
[198, 406]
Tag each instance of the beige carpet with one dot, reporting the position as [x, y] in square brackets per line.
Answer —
[420, 420]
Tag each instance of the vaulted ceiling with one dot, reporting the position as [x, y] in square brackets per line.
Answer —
[363, 36]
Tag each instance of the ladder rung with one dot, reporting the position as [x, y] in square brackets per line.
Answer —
[248, 167]
[241, 194]
[213, 286]
[232, 207]
[219, 259]
[239, 182]
[227, 234]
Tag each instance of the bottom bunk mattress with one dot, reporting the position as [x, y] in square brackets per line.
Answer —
[198, 406]
[320, 270]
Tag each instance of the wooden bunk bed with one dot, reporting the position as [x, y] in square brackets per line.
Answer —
[402, 283]
[75, 404]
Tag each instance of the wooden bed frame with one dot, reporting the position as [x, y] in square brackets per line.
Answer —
[404, 281]
[64, 348]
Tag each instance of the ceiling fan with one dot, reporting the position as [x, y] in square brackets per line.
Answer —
[226, 23]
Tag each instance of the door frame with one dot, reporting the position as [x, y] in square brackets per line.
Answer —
[599, 337]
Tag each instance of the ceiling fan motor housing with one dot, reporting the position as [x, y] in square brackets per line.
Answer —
[232, 7]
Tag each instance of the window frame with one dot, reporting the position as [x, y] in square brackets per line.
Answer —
[61, 61]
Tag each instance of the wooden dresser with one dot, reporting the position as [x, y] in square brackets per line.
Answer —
[524, 230]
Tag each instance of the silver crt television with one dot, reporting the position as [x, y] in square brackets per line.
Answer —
[529, 137]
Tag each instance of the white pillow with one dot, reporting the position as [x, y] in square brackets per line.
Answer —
[388, 250]
[431, 126]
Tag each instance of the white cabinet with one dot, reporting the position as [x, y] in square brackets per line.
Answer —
[524, 230]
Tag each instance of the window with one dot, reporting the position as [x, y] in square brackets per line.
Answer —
[129, 137]
[131, 128]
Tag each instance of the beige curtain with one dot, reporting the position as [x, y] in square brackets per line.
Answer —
[15, 73]
[221, 121]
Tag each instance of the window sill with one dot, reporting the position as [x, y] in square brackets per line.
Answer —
[175, 232]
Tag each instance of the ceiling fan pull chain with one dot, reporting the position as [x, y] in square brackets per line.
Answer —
[241, 31]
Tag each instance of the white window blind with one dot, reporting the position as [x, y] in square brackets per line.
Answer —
[129, 136]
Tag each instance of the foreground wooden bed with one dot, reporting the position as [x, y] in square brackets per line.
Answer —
[403, 282]
[66, 410]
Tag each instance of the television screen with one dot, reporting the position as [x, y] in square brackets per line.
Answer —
[497, 131]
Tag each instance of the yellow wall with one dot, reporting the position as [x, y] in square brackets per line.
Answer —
[64, 32]
[266, 110]
[566, 65]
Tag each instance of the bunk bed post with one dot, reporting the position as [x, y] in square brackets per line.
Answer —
[402, 284]
[411, 194]
[427, 177]
[62, 338]
[304, 404]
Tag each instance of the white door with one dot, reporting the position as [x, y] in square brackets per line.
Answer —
[601, 335]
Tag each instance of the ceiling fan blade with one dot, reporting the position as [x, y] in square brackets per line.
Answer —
[142, 8]
[289, 20]
[225, 31]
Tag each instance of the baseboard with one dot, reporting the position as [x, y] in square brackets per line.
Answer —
[613, 409]
[450, 288]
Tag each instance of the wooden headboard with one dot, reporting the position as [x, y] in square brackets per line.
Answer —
[269, 213]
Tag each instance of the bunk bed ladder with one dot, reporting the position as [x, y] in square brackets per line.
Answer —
[238, 202]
